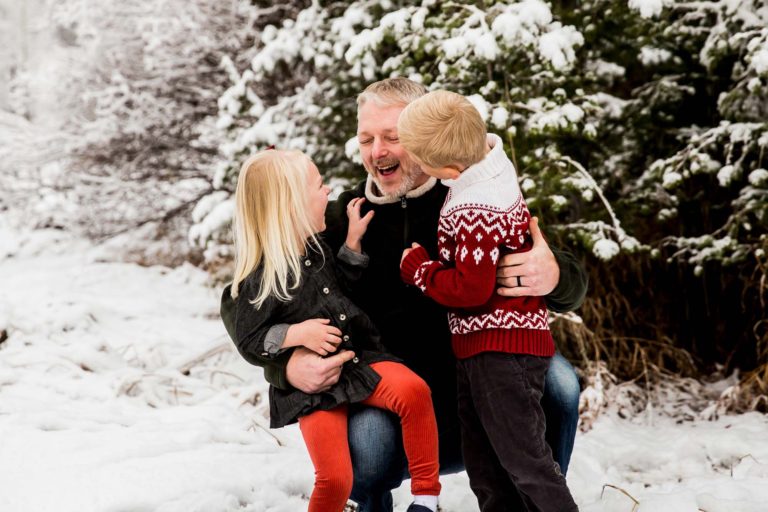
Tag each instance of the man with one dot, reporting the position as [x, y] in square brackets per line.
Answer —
[407, 204]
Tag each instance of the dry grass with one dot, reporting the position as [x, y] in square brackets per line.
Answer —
[751, 393]
[629, 352]
[651, 323]
[629, 358]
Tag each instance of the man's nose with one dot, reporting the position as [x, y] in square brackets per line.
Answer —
[380, 149]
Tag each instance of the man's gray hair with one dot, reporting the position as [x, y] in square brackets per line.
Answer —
[391, 91]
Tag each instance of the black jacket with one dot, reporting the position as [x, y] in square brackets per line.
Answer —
[321, 294]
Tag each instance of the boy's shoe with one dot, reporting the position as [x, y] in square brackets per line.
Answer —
[418, 508]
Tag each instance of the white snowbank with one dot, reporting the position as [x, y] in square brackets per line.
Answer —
[103, 409]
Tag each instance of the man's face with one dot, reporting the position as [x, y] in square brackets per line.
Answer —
[383, 156]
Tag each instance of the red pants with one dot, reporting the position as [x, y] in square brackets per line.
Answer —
[325, 433]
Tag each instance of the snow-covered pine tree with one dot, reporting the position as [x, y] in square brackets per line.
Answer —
[638, 128]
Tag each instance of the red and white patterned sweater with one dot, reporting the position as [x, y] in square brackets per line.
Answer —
[484, 216]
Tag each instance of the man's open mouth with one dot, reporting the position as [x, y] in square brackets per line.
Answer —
[386, 170]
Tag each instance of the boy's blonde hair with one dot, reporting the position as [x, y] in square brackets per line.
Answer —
[272, 225]
[391, 91]
[443, 128]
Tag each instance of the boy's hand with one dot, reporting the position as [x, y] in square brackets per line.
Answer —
[357, 224]
[413, 246]
[315, 334]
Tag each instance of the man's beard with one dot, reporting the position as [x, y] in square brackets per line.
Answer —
[410, 172]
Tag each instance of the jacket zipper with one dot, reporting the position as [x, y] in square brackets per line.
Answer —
[406, 224]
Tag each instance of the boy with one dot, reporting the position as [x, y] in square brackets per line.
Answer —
[503, 344]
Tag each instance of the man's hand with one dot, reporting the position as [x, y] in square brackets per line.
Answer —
[357, 225]
[413, 246]
[532, 273]
[310, 373]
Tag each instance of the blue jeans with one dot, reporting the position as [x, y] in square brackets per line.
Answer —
[376, 445]
[561, 408]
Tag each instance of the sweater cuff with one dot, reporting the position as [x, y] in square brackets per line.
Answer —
[275, 337]
[357, 259]
[411, 264]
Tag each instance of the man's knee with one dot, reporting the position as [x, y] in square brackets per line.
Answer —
[375, 443]
[562, 384]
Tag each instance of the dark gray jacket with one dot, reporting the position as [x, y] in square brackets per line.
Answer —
[259, 333]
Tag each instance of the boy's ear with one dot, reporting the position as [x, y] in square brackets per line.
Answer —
[454, 170]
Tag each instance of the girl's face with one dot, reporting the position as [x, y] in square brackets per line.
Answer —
[318, 198]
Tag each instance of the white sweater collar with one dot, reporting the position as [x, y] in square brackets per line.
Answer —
[494, 164]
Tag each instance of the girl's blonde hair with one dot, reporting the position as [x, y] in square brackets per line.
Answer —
[272, 225]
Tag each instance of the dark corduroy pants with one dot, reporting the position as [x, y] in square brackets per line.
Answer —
[503, 442]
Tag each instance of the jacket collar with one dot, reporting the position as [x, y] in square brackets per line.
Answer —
[373, 194]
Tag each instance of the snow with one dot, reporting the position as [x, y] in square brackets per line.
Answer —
[454, 47]
[609, 70]
[418, 18]
[758, 177]
[352, 150]
[211, 220]
[558, 45]
[650, 56]
[109, 405]
[520, 22]
[486, 47]
[647, 8]
[558, 201]
[553, 117]
[481, 105]
[500, 118]
[397, 22]
[760, 60]
[726, 175]
[605, 249]
[671, 179]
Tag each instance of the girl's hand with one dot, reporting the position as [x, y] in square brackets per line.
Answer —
[315, 334]
[357, 225]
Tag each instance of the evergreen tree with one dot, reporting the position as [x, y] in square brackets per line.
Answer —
[638, 130]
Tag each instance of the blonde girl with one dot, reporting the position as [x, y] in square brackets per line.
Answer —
[289, 290]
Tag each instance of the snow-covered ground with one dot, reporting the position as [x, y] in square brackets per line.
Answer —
[110, 402]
